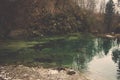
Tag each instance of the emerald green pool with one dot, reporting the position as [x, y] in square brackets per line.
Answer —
[97, 58]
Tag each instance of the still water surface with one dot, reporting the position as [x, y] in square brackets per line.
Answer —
[98, 59]
[105, 67]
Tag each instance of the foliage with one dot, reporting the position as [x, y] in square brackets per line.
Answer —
[35, 18]
[42, 17]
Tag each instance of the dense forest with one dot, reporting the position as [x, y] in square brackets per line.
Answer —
[34, 18]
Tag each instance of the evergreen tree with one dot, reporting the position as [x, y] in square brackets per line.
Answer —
[109, 12]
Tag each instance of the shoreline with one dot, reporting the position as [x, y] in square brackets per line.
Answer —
[102, 35]
[20, 72]
[108, 35]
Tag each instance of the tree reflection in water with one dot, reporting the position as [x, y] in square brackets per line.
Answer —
[75, 51]
[86, 53]
[116, 59]
[114, 45]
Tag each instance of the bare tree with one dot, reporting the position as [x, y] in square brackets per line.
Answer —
[87, 4]
[91, 5]
[102, 6]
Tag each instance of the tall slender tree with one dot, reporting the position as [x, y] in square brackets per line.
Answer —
[109, 12]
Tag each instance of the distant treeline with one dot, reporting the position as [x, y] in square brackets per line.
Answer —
[34, 18]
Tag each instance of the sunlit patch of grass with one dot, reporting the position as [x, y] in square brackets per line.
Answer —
[16, 45]
[70, 36]
[73, 38]
[46, 39]
[19, 44]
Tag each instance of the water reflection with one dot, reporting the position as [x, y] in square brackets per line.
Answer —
[76, 52]
[116, 59]
[102, 48]
[95, 47]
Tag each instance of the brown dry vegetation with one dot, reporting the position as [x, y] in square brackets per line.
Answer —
[31, 18]
[38, 16]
